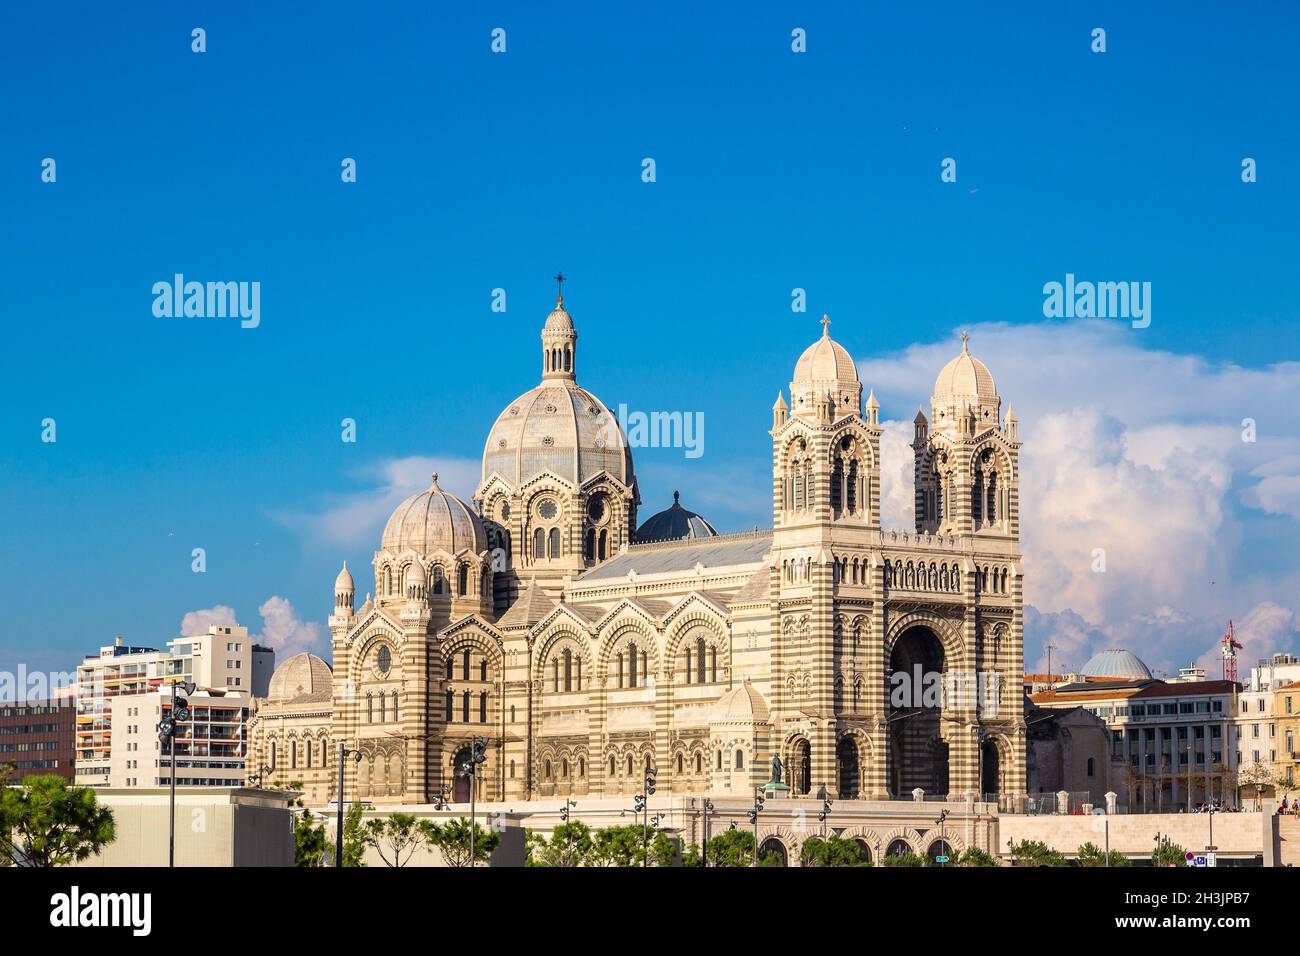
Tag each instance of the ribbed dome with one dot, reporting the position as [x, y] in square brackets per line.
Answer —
[557, 427]
[302, 675]
[743, 703]
[675, 523]
[1116, 663]
[344, 581]
[434, 520]
[965, 377]
[825, 361]
[559, 320]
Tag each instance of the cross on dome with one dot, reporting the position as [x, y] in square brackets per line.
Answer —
[826, 326]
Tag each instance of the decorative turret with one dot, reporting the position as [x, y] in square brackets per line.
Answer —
[780, 411]
[344, 593]
[559, 340]
[922, 426]
[873, 409]
[417, 584]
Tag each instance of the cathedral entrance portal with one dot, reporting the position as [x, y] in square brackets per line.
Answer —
[918, 754]
[801, 768]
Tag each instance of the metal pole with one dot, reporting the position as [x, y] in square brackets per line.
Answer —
[1108, 839]
[338, 833]
[171, 799]
[473, 787]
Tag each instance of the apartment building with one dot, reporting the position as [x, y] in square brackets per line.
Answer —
[124, 691]
[37, 738]
[1258, 727]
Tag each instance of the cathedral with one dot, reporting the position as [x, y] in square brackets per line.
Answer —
[586, 648]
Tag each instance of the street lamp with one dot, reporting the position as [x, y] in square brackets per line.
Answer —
[167, 727]
[650, 774]
[753, 818]
[477, 755]
[258, 777]
[825, 812]
[564, 810]
[943, 843]
[704, 833]
[344, 753]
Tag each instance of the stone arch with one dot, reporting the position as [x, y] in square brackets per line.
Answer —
[786, 837]
[555, 641]
[954, 648]
[695, 626]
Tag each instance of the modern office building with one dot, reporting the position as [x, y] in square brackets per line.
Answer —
[37, 738]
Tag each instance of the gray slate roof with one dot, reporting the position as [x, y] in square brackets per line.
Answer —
[720, 552]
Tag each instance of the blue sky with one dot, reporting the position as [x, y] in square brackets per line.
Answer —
[775, 170]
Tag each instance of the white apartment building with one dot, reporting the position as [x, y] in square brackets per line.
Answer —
[122, 693]
[211, 747]
[1257, 731]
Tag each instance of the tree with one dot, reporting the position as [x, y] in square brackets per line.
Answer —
[1036, 853]
[569, 845]
[45, 822]
[1092, 855]
[354, 836]
[397, 838]
[311, 846]
[974, 856]
[905, 859]
[732, 848]
[452, 838]
[1257, 777]
[618, 846]
[832, 851]
[1168, 854]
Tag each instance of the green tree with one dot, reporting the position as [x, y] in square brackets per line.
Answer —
[905, 859]
[45, 822]
[974, 856]
[832, 851]
[570, 844]
[618, 846]
[1168, 854]
[397, 838]
[311, 846]
[354, 836]
[1037, 853]
[452, 838]
[1092, 855]
[736, 848]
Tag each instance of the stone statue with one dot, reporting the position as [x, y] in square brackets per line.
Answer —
[776, 769]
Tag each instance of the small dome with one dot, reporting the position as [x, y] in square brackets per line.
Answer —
[415, 576]
[344, 581]
[302, 675]
[743, 703]
[965, 377]
[825, 361]
[1118, 664]
[559, 320]
[434, 520]
[675, 523]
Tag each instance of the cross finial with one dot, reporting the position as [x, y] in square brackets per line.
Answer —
[826, 326]
[435, 479]
[965, 336]
[559, 287]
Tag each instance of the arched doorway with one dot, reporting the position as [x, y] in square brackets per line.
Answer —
[939, 848]
[850, 774]
[774, 847]
[918, 754]
[460, 782]
[866, 850]
[801, 769]
[899, 848]
[990, 768]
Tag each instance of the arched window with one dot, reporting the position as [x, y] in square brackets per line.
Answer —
[439, 582]
[568, 670]
[688, 665]
[699, 660]
[464, 707]
[273, 764]
[539, 544]
[680, 763]
[699, 763]
[464, 665]
[582, 767]
[547, 770]
[396, 715]
[564, 769]
[629, 765]
[589, 546]
[555, 542]
[293, 754]
[740, 760]
[383, 708]
[306, 746]
[1092, 766]
[482, 669]
[719, 760]
[462, 585]
[450, 707]
[631, 657]
[612, 770]
[370, 709]
[555, 674]
[482, 707]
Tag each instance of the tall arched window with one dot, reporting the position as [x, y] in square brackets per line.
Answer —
[383, 708]
[688, 665]
[370, 709]
[555, 542]
[539, 544]
[631, 658]
[293, 754]
[396, 715]
[462, 585]
[464, 665]
[482, 707]
[482, 669]
[740, 760]
[451, 707]
[464, 708]
[568, 669]
[699, 660]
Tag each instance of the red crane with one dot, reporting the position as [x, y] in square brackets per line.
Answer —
[1230, 647]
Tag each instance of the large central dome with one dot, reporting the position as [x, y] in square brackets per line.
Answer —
[558, 426]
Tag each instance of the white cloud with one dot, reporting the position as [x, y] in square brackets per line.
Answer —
[282, 628]
[1139, 452]
[356, 519]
